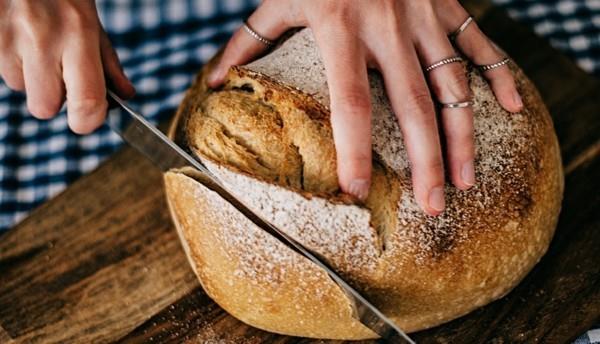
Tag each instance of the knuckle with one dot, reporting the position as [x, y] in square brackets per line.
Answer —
[466, 153]
[87, 107]
[14, 84]
[389, 4]
[356, 102]
[40, 41]
[460, 140]
[33, 33]
[77, 20]
[84, 116]
[233, 50]
[5, 41]
[458, 84]
[36, 36]
[12, 75]
[425, 12]
[503, 75]
[354, 164]
[43, 109]
[271, 3]
[31, 24]
[83, 128]
[432, 164]
[24, 14]
[339, 15]
[453, 86]
[427, 170]
[336, 8]
[419, 102]
[436, 164]
[356, 159]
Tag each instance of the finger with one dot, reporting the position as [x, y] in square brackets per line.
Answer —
[268, 22]
[11, 72]
[113, 70]
[350, 108]
[450, 85]
[84, 80]
[11, 69]
[480, 50]
[412, 104]
[43, 82]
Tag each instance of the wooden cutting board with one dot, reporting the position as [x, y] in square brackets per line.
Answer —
[101, 262]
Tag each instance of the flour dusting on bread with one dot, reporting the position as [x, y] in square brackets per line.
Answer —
[266, 134]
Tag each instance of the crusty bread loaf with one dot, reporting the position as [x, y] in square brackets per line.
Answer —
[266, 135]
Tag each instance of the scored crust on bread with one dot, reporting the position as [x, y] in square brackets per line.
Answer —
[266, 134]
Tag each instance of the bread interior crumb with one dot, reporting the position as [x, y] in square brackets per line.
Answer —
[282, 143]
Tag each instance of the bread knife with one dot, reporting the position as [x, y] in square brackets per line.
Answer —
[166, 154]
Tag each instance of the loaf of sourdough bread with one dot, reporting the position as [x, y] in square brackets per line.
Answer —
[266, 135]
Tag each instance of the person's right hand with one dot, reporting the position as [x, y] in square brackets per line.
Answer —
[56, 50]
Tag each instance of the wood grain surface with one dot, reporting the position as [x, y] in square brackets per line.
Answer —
[102, 263]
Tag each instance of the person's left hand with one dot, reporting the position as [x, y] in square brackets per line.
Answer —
[399, 38]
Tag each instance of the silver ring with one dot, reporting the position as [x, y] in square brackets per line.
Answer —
[485, 68]
[443, 62]
[269, 43]
[460, 29]
[457, 105]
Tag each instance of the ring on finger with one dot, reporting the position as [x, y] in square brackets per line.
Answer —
[269, 43]
[454, 35]
[457, 105]
[443, 62]
[485, 68]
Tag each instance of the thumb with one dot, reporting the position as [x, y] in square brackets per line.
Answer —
[267, 22]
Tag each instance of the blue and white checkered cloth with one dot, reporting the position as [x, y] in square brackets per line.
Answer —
[571, 26]
[591, 337]
[161, 45]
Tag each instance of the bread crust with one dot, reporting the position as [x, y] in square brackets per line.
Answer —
[419, 270]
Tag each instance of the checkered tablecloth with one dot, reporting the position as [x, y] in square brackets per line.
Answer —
[159, 43]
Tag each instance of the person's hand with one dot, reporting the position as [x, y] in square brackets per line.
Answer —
[56, 50]
[399, 38]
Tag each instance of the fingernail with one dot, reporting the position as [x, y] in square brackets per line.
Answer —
[359, 188]
[517, 99]
[436, 198]
[467, 173]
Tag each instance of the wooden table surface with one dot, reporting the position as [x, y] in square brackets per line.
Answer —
[101, 262]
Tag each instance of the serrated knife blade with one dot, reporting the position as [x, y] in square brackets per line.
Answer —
[166, 154]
